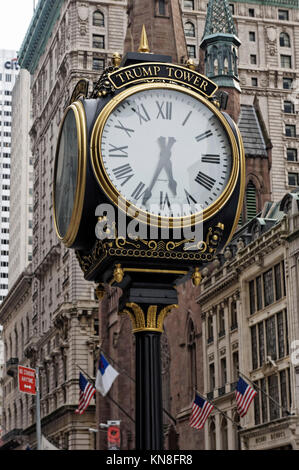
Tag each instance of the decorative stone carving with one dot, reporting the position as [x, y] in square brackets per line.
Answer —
[271, 34]
[83, 18]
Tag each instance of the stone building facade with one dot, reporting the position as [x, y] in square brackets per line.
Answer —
[76, 39]
[268, 71]
[249, 309]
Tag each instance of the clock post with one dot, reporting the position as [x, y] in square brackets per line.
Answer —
[148, 186]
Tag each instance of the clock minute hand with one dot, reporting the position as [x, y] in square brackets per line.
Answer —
[164, 162]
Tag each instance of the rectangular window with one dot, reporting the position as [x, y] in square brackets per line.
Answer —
[293, 179]
[253, 59]
[251, 12]
[256, 403]
[212, 376]
[254, 81]
[292, 155]
[7, 77]
[290, 130]
[252, 297]
[268, 287]
[288, 107]
[252, 36]
[261, 343]
[283, 391]
[98, 41]
[277, 275]
[273, 392]
[162, 9]
[254, 348]
[286, 61]
[98, 64]
[259, 293]
[283, 15]
[287, 83]
[189, 4]
[280, 334]
[264, 400]
[191, 51]
[232, 8]
[271, 337]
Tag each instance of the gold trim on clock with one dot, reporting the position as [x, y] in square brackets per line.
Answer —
[116, 197]
[69, 237]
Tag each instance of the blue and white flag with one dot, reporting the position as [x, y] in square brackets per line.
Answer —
[105, 376]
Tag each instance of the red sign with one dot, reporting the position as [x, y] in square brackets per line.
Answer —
[26, 380]
[113, 438]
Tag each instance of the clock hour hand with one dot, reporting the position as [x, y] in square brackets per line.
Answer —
[164, 162]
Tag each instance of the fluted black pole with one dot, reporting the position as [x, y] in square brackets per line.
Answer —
[149, 420]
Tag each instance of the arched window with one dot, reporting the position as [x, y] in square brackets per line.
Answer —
[251, 201]
[212, 435]
[98, 19]
[284, 40]
[224, 436]
[189, 29]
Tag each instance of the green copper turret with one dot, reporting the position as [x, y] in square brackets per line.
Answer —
[220, 43]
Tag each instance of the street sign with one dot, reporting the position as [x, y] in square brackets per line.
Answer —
[26, 380]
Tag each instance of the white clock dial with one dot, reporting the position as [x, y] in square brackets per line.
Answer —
[166, 152]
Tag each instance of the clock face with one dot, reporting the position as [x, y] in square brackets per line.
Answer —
[165, 152]
[68, 183]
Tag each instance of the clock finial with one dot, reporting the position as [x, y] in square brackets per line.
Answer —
[143, 46]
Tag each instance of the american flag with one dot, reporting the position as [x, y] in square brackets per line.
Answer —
[201, 410]
[244, 396]
[87, 391]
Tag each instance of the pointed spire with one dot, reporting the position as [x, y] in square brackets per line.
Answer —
[219, 19]
[220, 45]
[143, 46]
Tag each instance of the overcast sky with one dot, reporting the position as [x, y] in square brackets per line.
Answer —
[15, 18]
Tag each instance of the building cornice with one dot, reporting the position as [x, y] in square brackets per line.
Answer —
[40, 28]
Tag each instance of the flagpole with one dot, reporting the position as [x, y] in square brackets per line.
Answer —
[110, 398]
[220, 411]
[133, 380]
[269, 396]
[37, 402]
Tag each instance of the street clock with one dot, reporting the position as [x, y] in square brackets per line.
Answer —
[151, 141]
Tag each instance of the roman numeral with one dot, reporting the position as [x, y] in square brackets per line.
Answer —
[164, 111]
[123, 172]
[164, 200]
[126, 129]
[189, 198]
[204, 135]
[210, 158]
[205, 180]
[138, 191]
[143, 114]
[118, 151]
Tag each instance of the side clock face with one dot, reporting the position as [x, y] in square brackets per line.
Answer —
[69, 173]
[166, 151]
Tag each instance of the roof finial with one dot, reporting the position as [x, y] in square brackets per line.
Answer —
[143, 47]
